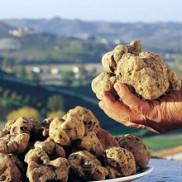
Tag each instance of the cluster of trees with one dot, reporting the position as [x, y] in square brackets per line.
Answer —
[78, 78]
[13, 106]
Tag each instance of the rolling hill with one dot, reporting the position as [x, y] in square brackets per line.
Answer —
[71, 99]
[156, 35]
[4, 28]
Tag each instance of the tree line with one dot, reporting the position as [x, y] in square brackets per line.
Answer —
[14, 105]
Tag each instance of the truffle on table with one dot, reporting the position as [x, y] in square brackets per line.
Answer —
[54, 150]
[41, 168]
[86, 166]
[136, 146]
[11, 168]
[15, 143]
[89, 120]
[106, 139]
[40, 130]
[72, 126]
[121, 160]
[89, 142]
[64, 131]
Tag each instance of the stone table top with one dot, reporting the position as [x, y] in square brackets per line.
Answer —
[164, 171]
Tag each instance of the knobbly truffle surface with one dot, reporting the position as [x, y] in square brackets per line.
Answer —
[145, 73]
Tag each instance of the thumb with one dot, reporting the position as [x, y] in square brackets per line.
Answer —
[132, 101]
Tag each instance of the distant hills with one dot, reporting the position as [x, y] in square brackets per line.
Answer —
[158, 35]
[4, 28]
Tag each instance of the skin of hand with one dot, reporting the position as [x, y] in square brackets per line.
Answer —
[161, 115]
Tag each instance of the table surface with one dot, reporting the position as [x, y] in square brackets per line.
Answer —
[164, 171]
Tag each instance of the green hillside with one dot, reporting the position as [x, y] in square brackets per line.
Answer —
[41, 48]
[40, 94]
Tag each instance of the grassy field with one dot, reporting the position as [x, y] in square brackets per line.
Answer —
[161, 142]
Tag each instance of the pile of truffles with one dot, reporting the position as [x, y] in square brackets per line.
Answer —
[73, 148]
[145, 73]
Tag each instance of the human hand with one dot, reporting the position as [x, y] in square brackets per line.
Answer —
[162, 115]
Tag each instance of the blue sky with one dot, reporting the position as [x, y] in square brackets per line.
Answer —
[107, 10]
